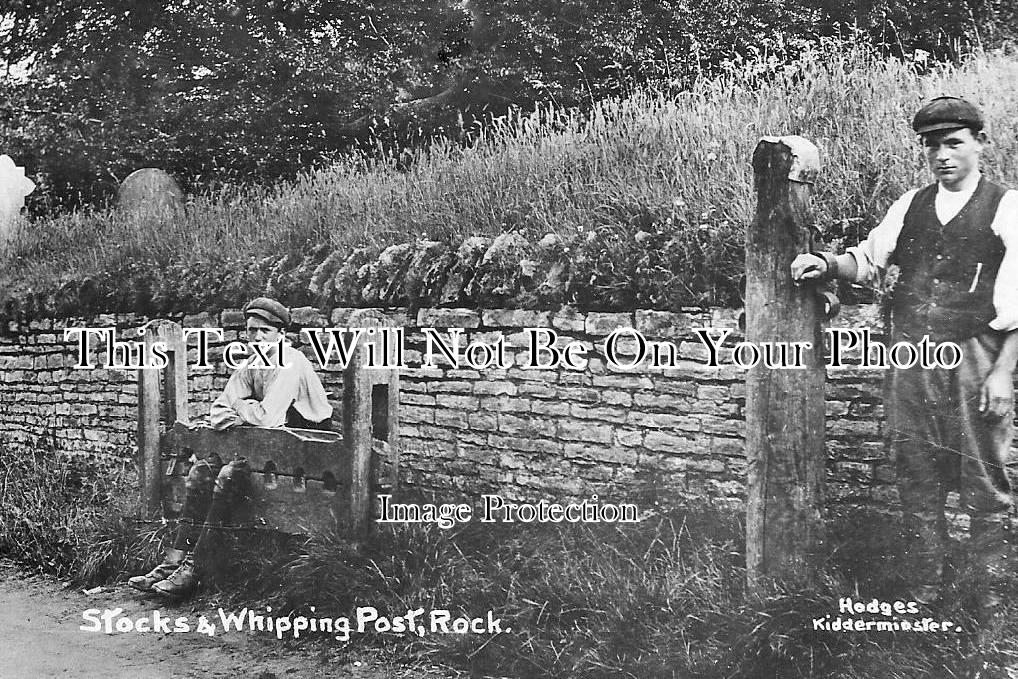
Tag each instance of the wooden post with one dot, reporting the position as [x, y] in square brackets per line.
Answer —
[357, 439]
[393, 415]
[784, 407]
[150, 398]
[175, 373]
[359, 385]
[148, 441]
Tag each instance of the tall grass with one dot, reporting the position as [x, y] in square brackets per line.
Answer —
[72, 517]
[666, 164]
[661, 599]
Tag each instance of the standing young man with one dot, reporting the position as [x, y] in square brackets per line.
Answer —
[956, 243]
[284, 389]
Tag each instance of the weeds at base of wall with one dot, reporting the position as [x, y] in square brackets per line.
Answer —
[69, 516]
[661, 599]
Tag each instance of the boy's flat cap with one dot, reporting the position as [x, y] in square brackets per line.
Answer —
[268, 310]
[947, 113]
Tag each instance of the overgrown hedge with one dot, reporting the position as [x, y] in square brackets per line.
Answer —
[254, 92]
[639, 202]
[509, 271]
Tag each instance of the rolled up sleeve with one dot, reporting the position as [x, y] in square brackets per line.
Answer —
[223, 415]
[873, 254]
[262, 396]
[1005, 287]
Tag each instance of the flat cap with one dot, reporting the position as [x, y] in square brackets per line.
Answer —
[268, 310]
[947, 113]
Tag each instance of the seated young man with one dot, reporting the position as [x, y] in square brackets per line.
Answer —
[258, 395]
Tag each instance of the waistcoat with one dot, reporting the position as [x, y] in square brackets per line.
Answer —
[945, 289]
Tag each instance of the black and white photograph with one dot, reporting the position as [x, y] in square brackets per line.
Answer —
[672, 339]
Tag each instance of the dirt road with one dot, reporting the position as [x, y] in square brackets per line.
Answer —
[40, 637]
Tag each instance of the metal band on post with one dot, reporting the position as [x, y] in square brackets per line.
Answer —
[831, 262]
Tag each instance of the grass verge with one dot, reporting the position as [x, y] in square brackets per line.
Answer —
[659, 600]
[664, 599]
[71, 516]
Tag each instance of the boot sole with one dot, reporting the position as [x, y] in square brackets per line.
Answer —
[172, 595]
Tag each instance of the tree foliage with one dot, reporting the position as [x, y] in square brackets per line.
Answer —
[249, 90]
[205, 90]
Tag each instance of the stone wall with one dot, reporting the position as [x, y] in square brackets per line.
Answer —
[650, 433]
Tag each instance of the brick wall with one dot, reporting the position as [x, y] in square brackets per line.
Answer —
[525, 433]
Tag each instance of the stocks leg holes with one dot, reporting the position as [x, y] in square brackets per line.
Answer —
[269, 471]
[329, 482]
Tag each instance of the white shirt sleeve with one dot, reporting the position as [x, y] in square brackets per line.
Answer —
[1005, 288]
[223, 413]
[295, 384]
[873, 254]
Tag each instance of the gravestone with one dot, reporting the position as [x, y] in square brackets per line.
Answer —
[14, 186]
[150, 190]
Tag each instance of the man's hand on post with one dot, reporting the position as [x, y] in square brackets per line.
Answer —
[808, 267]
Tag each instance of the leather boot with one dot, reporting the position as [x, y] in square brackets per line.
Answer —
[926, 594]
[926, 543]
[181, 582]
[143, 583]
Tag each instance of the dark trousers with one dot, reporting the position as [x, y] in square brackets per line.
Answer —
[942, 442]
[214, 491]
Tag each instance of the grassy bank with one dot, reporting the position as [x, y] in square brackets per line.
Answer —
[658, 600]
[661, 600]
[70, 517]
[649, 191]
